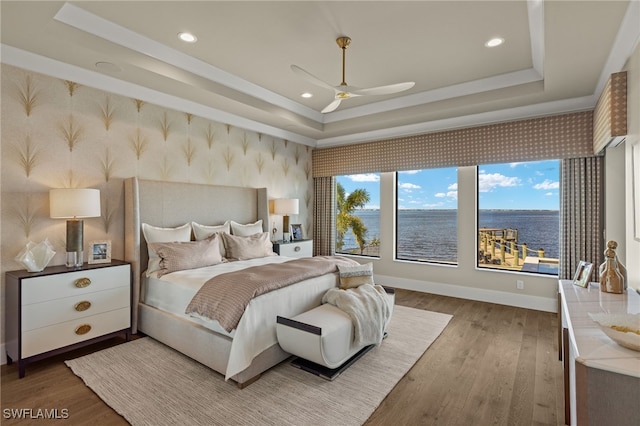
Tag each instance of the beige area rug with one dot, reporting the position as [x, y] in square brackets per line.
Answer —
[150, 384]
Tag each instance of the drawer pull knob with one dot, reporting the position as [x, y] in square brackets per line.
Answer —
[297, 248]
[82, 306]
[82, 282]
[83, 329]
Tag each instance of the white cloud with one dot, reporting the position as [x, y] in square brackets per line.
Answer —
[408, 186]
[369, 177]
[453, 187]
[449, 194]
[486, 182]
[547, 184]
[549, 194]
[410, 172]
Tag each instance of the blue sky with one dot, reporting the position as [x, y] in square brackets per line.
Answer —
[529, 186]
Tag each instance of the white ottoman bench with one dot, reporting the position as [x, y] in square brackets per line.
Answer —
[324, 336]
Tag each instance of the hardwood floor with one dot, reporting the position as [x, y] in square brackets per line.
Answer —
[492, 365]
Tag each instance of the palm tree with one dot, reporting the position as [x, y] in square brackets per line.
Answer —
[346, 219]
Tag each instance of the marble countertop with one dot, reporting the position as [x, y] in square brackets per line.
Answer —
[592, 346]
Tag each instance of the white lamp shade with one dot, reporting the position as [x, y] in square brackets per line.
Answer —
[285, 206]
[74, 203]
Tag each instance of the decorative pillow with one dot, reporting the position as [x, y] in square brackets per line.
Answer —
[187, 255]
[246, 230]
[202, 232]
[250, 247]
[355, 276]
[154, 234]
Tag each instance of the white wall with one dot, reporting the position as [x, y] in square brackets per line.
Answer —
[632, 244]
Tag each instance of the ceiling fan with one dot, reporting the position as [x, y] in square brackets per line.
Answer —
[344, 91]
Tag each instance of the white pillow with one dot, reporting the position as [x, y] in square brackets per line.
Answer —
[202, 232]
[249, 247]
[247, 229]
[154, 234]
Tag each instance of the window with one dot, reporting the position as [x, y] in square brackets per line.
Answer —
[427, 215]
[519, 216]
[358, 215]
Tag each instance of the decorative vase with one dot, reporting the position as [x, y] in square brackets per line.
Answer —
[623, 271]
[611, 280]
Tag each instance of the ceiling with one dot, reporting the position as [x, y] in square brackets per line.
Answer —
[555, 58]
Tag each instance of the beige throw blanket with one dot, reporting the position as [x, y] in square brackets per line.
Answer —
[224, 297]
[369, 308]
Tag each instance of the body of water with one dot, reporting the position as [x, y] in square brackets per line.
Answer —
[433, 235]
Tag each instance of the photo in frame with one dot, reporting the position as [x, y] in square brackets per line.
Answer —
[583, 273]
[297, 232]
[100, 252]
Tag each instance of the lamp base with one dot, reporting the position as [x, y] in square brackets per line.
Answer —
[74, 259]
[286, 237]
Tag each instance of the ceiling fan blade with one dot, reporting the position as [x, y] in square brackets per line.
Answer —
[311, 78]
[332, 106]
[385, 90]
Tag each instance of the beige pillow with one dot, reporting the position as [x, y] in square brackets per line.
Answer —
[355, 276]
[202, 232]
[247, 229]
[250, 247]
[154, 234]
[187, 255]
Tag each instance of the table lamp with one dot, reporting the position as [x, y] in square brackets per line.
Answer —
[74, 204]
[285, 207]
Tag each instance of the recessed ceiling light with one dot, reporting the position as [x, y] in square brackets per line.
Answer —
[494, 42]
[307, 95]
[188, 37]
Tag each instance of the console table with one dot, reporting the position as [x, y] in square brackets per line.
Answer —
[601, 378]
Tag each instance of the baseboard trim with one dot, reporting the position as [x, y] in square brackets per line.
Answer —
[537, 303]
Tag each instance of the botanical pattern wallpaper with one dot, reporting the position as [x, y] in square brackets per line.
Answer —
[59, 134]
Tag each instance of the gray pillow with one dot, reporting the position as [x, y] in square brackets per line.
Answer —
[187, 255]
[250, 247]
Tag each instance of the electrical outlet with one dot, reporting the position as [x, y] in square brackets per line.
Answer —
[520, 285]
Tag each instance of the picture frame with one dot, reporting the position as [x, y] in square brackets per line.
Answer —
[100, 252]
[297, 231]
[583, 273]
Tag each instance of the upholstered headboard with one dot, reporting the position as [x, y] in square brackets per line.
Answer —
[171, 204]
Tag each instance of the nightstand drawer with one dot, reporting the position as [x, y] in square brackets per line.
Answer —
[37, 315]
[67, 333]
[296, 249]
[41, 289]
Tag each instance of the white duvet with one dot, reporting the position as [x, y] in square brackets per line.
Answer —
[256, 330]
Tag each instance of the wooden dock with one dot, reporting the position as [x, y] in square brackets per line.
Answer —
[498, 248]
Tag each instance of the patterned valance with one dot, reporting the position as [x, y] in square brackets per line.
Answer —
[610, 115]
[553, 137]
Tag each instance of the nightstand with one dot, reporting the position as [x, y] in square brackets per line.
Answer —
[295, 248]
[61, 309]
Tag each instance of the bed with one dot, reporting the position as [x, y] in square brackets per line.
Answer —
[244, 353]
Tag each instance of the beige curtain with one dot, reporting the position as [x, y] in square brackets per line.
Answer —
[581, 214]
[324, 216]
